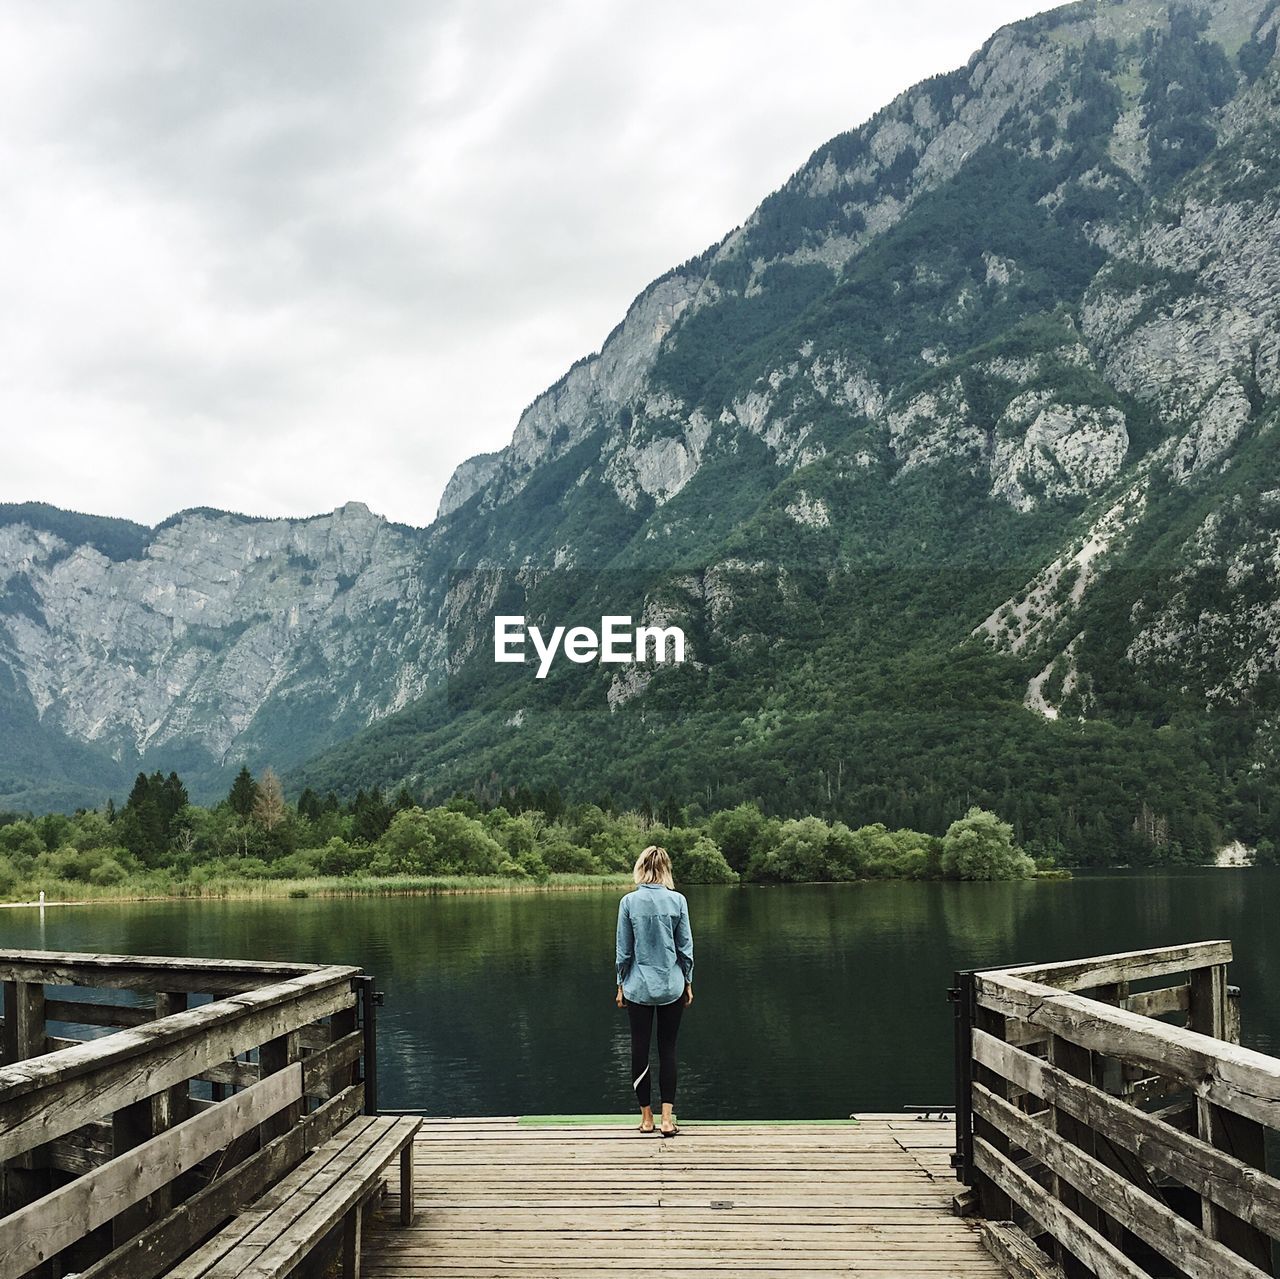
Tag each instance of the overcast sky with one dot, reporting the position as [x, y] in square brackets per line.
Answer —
[274, 255]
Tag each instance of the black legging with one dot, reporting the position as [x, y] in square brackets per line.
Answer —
[641, 1016]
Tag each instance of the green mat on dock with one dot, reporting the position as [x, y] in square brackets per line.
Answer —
[562, 1121]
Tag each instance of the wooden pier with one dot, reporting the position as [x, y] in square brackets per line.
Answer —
[502, 1197]
[213, 1119]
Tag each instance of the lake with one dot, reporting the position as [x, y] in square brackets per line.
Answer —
[812, 1001]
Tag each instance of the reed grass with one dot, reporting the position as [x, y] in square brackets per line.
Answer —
[161, 888]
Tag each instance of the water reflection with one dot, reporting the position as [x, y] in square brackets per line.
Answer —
[811, 1001]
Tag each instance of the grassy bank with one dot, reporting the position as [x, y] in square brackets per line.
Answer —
[73, 892]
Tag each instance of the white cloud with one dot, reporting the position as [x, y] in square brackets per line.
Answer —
[272, 255]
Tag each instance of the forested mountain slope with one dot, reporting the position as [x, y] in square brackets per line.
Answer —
[957, 461]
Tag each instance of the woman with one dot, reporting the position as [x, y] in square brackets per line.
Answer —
[655, 976]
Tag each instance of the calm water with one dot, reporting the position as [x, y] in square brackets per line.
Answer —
[812, 1001]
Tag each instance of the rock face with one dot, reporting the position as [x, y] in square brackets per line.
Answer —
[471, 476]
[223, 632]
[1054, 451]
[1025, 320]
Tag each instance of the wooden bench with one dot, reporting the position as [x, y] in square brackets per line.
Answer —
[330, 1187]
[270, 1234]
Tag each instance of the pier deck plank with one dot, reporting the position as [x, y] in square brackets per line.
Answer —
[501, 1198]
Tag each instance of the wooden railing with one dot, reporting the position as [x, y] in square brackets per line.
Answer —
[1112, 1114]
[118, 1153]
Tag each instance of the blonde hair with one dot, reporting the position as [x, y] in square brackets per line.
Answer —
[653, 866]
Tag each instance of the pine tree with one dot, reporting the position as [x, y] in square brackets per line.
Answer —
[141, 825]
[172, 797]
[141, 791]
[371, 815]
[243, 794]
[309, 805]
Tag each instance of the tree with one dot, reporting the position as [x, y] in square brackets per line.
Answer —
[741, 833]
[438, 842]
[980, 846]
[802, 853]
[462, 845]
[337, 857]
[171, 797]
[91, 829]
[269, 808]
[550, 801]
[243, 794]
[21, 839]
[141, 826]
[703, 864]
[408, 847]
[370, 815]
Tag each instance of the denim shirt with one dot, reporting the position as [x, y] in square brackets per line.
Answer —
[655, 945]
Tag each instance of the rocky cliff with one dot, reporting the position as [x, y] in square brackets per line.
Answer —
[214, 636]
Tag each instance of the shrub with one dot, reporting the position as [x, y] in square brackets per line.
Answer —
[741, 833]
[65, 863]
[704, 863]
[107, 872]
[617, 848]
[9, 877]
[533, 866]
[407, 848]
[20, 839]
[439, 841]
[249, 868]
[800, 854]
[980, 846]
[338, 857]
[564, 857]
[899, 854]
[300, 865]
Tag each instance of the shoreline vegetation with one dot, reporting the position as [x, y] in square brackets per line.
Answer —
[320, 886]
[254, 843]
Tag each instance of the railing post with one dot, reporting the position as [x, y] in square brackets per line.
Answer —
[369, 1001]
[131, 1125]
[1233, 1015]
[171, 1107]
[962, 1003]
[175, 1104]
[274, 1056]
[1078, 1062]
[993, 1203]
[342, 1024]
[1209, 1000]
[1214, 1012]
[963, 995]
[24, 1032]
[27, 1176]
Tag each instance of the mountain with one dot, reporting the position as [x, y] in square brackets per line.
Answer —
[205, 641]
[957, 461]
